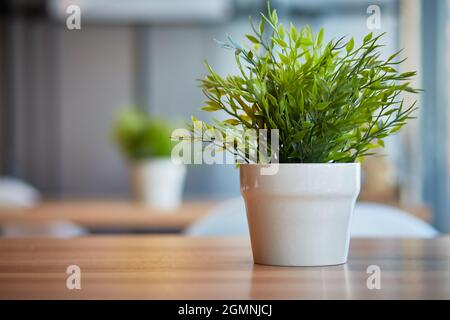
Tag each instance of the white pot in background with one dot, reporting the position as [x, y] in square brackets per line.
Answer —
[158, 182]
[301, 215]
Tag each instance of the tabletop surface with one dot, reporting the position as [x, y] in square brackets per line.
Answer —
[178, 267]
[107, 215]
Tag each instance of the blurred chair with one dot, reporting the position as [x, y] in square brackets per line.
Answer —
[16, 193]
[378, 220]
[369, 220]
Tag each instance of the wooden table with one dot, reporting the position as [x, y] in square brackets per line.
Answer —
[177, 267]
[107, 216]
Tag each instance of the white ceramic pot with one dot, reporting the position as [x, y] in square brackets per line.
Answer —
[301, 215]
[158, 182]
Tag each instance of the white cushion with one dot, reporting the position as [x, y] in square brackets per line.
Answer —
[369, 220]
[377, 220]
[16, 193]
[55, 229]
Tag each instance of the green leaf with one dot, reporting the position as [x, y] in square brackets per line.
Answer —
[274, 17]
[322, 105]
[252, 38]
[261, 26]
[306, 42]
[284, 59]
[368, 37]
[320, 37]
[350, 45]
[412, 90]
[338, 155]
[408, 74]
[280, 31]
[214, 104]
[388, 69]
[393, 56]
[372, 146]
[389, 112]
[300, 135]
[233, 122]
[210, 108]
[396, 129]
[280, 42]
[294, 34]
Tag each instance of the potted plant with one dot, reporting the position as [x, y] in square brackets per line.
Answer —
[145, 142]
[331, 104]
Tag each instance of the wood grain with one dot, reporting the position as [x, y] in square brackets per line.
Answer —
[177, 267]
[107, 215]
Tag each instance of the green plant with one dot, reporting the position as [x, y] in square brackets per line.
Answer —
[331, 102]
[140, 136]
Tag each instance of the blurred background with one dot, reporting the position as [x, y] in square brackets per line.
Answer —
[61, 89]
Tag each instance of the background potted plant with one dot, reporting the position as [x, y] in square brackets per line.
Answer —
[145, 142]
[332, 104]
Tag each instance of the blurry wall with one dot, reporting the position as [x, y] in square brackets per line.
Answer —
[96, 78]
[2, 95]
[98, 75]
[32, 91]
